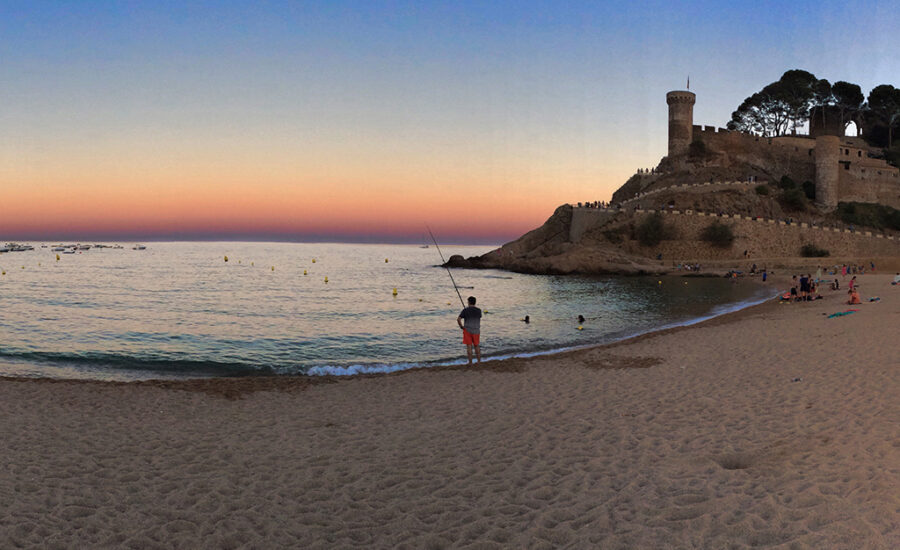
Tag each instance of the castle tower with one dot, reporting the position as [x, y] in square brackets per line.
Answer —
[681, 120]
[828, 150]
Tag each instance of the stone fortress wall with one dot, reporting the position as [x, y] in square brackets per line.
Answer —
[764, 237]
[767, 238]
[842, 167]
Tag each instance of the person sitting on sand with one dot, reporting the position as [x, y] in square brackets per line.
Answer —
[854, 297]
[815, 292]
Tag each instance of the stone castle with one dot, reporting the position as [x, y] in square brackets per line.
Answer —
[843, 168]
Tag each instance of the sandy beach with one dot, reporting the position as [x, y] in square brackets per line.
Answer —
[772, 427]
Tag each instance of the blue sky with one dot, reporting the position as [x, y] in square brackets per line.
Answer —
[355, 107]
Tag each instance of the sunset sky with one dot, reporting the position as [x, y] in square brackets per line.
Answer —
[363, 121]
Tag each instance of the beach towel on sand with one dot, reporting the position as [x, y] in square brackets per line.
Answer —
[842, 313]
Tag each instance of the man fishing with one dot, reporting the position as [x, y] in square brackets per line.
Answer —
[469, 321]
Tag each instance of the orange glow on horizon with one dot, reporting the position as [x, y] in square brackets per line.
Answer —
[134, 198]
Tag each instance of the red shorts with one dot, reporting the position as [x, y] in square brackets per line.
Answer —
[470, 339]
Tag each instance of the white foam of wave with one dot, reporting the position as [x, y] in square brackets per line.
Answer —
[350, 370]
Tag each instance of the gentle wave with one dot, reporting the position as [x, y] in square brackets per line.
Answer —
[102, 361]
[351, 370]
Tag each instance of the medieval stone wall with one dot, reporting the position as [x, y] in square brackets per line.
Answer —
[764, 238]
[844, 170]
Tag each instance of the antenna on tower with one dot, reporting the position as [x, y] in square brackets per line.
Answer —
[689, 82]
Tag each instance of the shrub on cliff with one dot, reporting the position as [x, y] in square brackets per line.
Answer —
[614, 235]
[653, 230]
[762, 189]
[787, 183]
[793, 199]
[718, 234]
[813, 251]
[809, 189]
[878, 216]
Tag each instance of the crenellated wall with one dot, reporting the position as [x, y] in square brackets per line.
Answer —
[764, 238]
[842, 167]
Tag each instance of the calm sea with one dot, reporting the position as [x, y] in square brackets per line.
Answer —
[179, 309]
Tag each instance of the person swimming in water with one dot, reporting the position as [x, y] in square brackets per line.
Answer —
[581, 319]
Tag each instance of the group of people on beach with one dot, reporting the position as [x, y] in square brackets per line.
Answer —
[804, 288]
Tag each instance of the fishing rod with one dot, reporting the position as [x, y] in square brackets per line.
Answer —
[456, 288]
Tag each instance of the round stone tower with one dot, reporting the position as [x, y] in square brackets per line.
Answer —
[828, 150]
[681, 120]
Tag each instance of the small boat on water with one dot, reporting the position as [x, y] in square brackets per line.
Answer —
[58, 249]
[139, 247]
[15, 247]
[83, 247]
[69, 251]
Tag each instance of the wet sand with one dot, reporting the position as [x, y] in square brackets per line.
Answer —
[695, 437]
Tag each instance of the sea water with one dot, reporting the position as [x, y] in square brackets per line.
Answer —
[181, 310]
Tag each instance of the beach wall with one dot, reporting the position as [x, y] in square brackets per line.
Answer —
[762, 237]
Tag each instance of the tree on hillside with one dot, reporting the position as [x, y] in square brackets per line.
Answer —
[797, 89]
[823, 96]
[780, 106]
[848, 98]
[884, 106]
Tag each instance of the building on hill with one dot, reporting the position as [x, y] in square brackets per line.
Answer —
[843, 168]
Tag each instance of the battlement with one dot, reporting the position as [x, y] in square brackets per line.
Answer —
[698, 130]
[844, 168]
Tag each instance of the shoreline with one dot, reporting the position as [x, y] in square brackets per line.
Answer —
[173, 380]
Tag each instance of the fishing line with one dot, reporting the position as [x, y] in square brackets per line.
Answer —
[445, 265]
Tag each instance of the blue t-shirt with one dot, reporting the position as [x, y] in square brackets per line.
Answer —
[471, 317]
